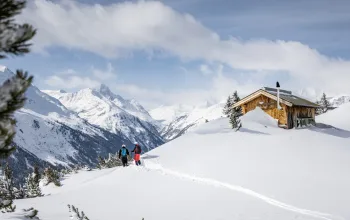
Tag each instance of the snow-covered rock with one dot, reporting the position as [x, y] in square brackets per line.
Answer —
[213, 172]
[111, 112]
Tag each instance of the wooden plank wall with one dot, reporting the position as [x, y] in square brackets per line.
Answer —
[269, 106]
[303, 112]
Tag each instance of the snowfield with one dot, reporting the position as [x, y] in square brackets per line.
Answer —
[211, 172]
[338, 117]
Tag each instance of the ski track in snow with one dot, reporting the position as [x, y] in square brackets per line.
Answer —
[158, 167]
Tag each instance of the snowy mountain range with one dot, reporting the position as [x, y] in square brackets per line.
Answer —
[179, 119]
[48, 133]
[111, 112]
[339, 100]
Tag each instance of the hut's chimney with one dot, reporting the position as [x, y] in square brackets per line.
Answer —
[278, 95]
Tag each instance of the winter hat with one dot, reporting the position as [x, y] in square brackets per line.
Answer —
[123, 145]
[136, 143]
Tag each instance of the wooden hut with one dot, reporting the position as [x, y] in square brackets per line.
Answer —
[290, 110]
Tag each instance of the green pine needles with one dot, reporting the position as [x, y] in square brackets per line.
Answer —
[233, 113]
[14, 40]
[75, 214]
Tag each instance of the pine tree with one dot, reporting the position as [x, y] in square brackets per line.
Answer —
[13, 41]
[31, 213]
[52, 176]
[11, 99]
[8, 177]
[235, 121]
[101, 163]
[75, 214]
[324, 103]
[6, 205]
[228, 106]
[6, 190]
[112, 161]
[86, 168]
[20, 193]
[32, 184]
[235, 99]
[233, 113]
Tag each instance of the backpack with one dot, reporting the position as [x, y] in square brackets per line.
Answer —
[123, 152]
[137, 149]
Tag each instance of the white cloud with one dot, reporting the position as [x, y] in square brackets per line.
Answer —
[68, 72]
[221, 86]
[205, 70]
[119, 29]
[70, 79]
[104, 74]
[71, 82]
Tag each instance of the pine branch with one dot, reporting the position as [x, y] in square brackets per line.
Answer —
[7, 205]
[13, 37]
[10, 8]
[75, 214]
[31, 213]
[11, 99]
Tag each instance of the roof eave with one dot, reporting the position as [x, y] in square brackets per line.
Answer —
[261, 92]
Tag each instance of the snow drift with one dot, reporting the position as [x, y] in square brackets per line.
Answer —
[339, 117]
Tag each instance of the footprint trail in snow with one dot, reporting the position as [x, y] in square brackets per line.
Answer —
[158, 167]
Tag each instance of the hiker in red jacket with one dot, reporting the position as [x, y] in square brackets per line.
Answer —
[137, 152]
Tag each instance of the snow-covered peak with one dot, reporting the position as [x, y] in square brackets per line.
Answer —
[106, 92]
[5, 74]
[103, 108]
[37, 101]
[167, 114]
[178, 119]
[339, 100]
[2, 68]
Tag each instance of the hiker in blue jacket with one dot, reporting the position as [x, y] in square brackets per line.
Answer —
[123, 154]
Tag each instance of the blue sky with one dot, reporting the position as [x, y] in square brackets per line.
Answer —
[189, 51]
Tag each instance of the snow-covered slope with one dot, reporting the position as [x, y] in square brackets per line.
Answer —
[339, 117]
[177, 120]
[111, 112]
[167, 114]
[47, 132]
[212, 172]
[339, 100]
